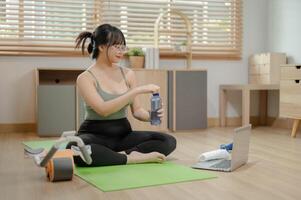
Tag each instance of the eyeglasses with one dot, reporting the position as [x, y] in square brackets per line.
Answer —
[121, 48]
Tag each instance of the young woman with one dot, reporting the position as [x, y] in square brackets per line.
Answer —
[108, 90]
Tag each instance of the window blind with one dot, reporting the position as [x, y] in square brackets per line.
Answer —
[51, 26]
[216, 24]
[45, 26]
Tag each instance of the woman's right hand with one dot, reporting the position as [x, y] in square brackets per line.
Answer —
[150, 88]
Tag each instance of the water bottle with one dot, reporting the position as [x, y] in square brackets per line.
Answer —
[155, 106]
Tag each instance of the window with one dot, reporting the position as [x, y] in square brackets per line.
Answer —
[50, 26]
[216, 24]
[44, 26]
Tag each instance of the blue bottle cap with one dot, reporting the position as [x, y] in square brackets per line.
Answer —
[156, 94]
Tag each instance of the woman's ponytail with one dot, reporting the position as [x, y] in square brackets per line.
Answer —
[81, 40]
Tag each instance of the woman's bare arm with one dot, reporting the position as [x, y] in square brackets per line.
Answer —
[87, 89]
[137, 111]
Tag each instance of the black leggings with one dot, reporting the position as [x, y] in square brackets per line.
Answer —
[108, 137]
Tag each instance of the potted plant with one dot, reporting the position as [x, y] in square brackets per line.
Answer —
[136, 57]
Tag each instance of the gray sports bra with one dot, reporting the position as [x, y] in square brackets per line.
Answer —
[90, 114]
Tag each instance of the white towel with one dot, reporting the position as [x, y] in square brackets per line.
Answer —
[216, 154]
[146, 58]
[156, 58]
[152, 58]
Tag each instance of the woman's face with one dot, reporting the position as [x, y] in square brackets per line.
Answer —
[115, 53]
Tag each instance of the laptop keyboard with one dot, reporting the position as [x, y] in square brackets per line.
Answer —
[225, 164]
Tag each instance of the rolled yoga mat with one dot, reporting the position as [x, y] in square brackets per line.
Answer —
[120, 177]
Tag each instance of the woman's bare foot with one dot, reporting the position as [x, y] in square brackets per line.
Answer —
[137, 157]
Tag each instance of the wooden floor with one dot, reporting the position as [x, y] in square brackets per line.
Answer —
[273, 171]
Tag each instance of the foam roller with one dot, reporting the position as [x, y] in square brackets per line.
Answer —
[61, 166]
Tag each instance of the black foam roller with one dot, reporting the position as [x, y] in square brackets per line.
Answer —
[62, 169]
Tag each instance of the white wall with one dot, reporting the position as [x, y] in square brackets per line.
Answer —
[17, 77]
[284, 28]
[283, 35]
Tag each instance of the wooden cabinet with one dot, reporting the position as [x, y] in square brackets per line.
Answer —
[290, 94]
[265, 68]
[290, 91]
[183, 92]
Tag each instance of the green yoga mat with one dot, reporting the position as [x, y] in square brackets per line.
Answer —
[120, 177]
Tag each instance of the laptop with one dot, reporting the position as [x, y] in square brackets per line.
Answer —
[239, 155]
